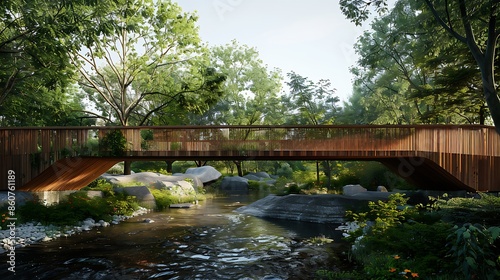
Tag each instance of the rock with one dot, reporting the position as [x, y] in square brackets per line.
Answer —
[182, 188]
[182, 177]
[350, 190]
[263, 175]
[141, 193]
[381, 189]
[205, 173]
[148, 221]
[252, 177]
[181, 205]
[234, 185]
[46, 239]
[325, 208]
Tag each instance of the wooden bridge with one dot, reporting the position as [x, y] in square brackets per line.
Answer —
[442, 157]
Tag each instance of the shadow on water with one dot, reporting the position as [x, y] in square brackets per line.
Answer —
[207, 241]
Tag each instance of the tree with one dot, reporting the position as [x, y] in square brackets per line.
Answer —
[35, 37]
[60, 106]
[150, 66]
[309, 102]
[250, 90]
[398, 62]
[474, 24]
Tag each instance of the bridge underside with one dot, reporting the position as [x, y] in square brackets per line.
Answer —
[77, 172]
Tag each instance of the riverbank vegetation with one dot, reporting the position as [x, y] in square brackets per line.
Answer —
[392, 240]
[75, 208]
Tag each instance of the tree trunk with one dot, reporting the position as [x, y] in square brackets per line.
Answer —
[328, 172]
[200, 163]
[238, 166]
[170, 164]
[491, 96]
[127, 167]
[317, 173]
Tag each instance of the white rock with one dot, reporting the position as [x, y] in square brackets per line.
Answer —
[46, 239]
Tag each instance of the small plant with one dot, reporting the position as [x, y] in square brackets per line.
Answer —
[319, 240]
[472, 246]
[389, 267]
[383, 214]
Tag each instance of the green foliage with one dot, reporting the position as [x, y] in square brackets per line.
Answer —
[164, 198]
[483, 210]
[245, 72]
[101, 185]
[182, 166]
[384, 214]
[396, 241]
[424, 77]
[76, 208]
[419, 247]
[254, 185]
[150, 166]
[153, 84]
[472, 247]
[113, 143]
[36, 72]
[293, 189]
[308, 102]
[333, 275]
[285, 171]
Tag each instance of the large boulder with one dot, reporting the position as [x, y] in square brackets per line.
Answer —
[141, 193]
[180, 188]
[351, 190]
[150, 179]
[204, 173]
[234, 185]
[326, 208]
[262, 175]
[252, 177]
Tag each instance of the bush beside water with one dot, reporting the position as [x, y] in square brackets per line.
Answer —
[394, 241]
[76, 208]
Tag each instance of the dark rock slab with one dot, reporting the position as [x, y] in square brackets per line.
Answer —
[328, 208]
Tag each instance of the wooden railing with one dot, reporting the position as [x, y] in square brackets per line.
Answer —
[470, 153]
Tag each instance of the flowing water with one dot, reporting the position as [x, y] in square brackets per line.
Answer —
[207, 241]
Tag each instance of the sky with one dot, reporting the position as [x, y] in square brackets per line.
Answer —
[311, 38]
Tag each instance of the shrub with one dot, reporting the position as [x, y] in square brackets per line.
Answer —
[472, 246]
[113, 143]
[76, 208]
[293, 189]
[383, 214]
[285, 171]
[483, 210]
[164, 198]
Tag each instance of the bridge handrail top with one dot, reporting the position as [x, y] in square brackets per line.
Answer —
[454, 126]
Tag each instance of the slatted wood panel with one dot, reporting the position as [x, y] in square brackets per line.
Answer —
[70, 174]
[470, 154]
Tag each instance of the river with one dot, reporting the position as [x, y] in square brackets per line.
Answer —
[207, 241]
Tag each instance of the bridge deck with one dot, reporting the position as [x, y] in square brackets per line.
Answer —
[437, 156]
